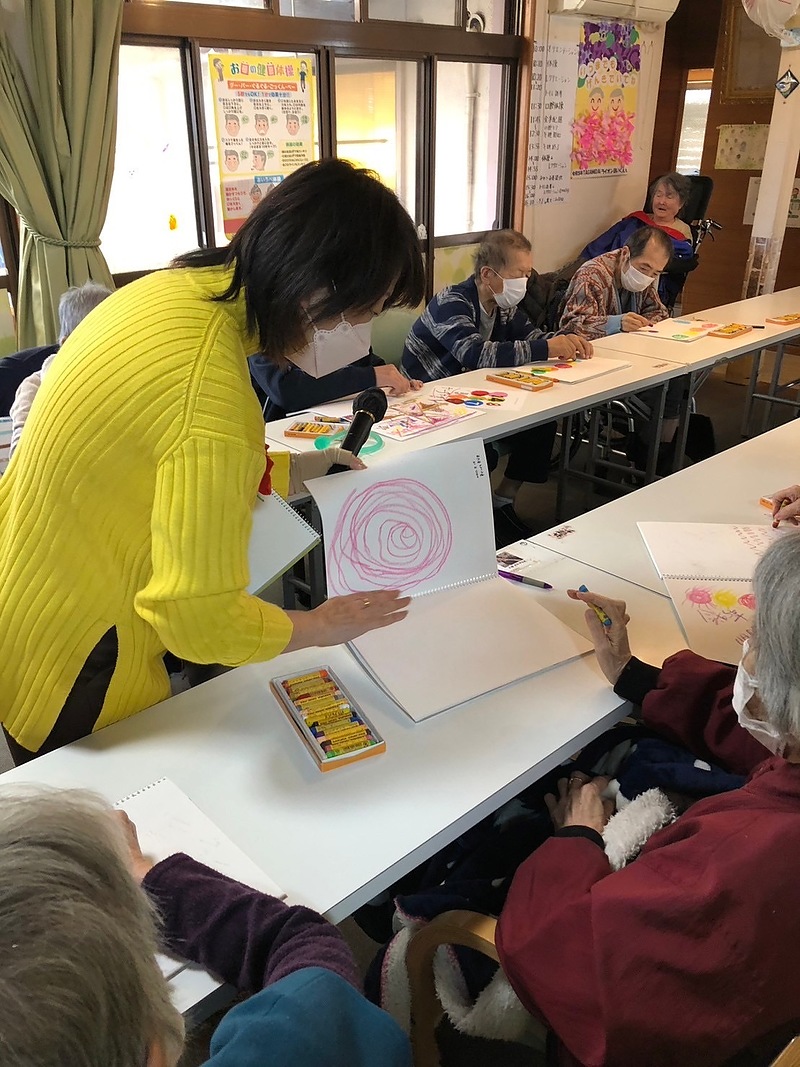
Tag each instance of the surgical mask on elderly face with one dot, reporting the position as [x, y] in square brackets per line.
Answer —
[634, 281]
[514, 290]
[745, 686]
[330, 350]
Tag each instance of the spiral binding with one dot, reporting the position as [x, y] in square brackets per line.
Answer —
[704, 578]
[138, 792]
[458, 585]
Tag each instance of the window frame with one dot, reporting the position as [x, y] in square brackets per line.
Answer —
[192, 27]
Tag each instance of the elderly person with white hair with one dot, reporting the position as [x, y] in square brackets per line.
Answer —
[73, 307]
[79, 981]
[688, 955]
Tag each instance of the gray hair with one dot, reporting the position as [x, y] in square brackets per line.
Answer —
[495, 246]
[76, 303]
[777, 633]
[79, 981]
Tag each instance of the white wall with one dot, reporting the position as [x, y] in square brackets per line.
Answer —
[559, 231]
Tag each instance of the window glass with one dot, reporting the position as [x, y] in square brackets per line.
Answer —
[695, 116]
[376, 121]
[261, 115]
[470, 115]
[439, 12]
[224, 3]
[452, 264]
[341, 10]
[488, 16]
[151, 211]
[3, 267]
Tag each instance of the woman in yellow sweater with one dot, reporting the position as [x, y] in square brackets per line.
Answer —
[125, 515]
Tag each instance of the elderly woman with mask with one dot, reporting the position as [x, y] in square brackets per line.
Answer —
[78, 972]
[688, 955]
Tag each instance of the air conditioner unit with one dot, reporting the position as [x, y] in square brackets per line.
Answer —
[635, 10]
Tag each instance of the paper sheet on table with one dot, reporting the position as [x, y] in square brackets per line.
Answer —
[581, 370]
[423, 524]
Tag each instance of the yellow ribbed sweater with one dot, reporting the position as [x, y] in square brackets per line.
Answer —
[129, 504]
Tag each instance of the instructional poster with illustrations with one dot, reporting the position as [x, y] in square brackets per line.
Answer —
[609, 68]
[264, 118]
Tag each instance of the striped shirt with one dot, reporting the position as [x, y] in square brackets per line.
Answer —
[446, 339]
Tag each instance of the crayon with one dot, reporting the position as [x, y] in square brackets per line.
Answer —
[290, 683]
[322, 718]
[776, 522]
[348, 746]
[598, 611]
[358, 733]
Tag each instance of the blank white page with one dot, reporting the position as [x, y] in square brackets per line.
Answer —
[167, 821]
[465, 642]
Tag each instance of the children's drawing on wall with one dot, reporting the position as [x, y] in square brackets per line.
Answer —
[609, 66]
[394, 535]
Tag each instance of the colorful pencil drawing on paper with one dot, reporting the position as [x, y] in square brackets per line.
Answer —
[394, 535]
[719, 606]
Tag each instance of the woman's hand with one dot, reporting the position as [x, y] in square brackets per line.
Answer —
[138, 863]
[610, 642]
[343, 618]
[787, 505]
[631, 322]
[579, 803]
[303, 466]
[394, 382]
[568, 347]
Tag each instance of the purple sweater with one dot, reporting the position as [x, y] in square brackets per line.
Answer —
[247, 938]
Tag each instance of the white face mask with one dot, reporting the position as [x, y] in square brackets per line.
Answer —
[744, 687]
[514, 290]
[330, 350]
[634, 281]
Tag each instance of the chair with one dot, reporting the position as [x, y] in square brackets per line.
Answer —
[389, 332]
[464, 928]
[472, 930]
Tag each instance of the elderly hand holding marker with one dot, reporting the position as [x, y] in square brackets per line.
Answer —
[610, 642]
[787, 505]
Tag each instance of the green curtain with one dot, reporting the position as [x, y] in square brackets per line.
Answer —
[59, 62]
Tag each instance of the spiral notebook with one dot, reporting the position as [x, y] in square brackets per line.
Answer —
[707, 569]
[280, 537]
[422, 523]
[167, 821]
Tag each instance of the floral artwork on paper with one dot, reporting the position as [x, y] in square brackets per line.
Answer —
[718, 606]
[609, 67]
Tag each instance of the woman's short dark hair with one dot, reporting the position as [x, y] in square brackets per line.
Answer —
[679, 184]
[331, 237]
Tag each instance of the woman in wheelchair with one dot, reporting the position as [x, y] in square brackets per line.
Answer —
[688, 954]
[666, 198]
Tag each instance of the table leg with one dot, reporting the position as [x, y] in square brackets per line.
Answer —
[683, 423]
[563, 464]
[751, 389]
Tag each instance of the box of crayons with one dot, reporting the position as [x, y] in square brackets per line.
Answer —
[326, 717]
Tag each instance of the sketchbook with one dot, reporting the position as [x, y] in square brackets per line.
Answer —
[167, 821]
[684, 330]
[280, 537]
[579, 370]
[707, 569]
[422, 523]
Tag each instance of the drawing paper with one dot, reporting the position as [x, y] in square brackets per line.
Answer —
[707, 569]
[683, 330]
[581, 370]
[423, 524]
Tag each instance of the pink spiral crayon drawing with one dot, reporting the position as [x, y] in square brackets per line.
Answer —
[394, 535]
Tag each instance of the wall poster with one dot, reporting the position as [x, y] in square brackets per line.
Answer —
[264, 118]
[552, 105]
[609, 67]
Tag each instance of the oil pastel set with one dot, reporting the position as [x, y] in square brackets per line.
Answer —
[326, 717]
